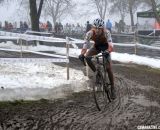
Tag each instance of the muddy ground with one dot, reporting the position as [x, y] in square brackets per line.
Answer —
[137, 103]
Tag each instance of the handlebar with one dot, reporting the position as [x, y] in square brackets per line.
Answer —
[103, 53]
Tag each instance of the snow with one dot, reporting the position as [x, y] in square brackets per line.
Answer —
[32, 80]
[128, 58]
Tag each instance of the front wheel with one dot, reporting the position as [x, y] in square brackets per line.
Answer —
[100, 93]
[108, 92]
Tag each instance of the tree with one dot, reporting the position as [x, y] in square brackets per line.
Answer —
[101, 6]
[119, 6]
[153, 4]
[131, 12]
[124, 7]
[35, 14]
[57, 8]
[24, 11]
[156, 10]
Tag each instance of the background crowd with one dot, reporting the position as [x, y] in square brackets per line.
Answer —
[60, 28]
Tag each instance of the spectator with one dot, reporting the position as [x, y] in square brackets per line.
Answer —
[121, 26]
[10, 26]
[6, 25]
[41, 26]
[109, 25]
[25, 26]
[56, 27]
[88, 26]
[70, 28]
[78, 28]
[45, 26]
[78, 25]
[60, 27]
[116, 26]
[73, 29]
[49, 26]
[157, 25]
[67, 28]
[15, 25]
[21, 26]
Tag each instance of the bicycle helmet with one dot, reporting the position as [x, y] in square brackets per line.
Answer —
[98, 23]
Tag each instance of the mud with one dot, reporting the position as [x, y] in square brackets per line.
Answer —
[137, 103]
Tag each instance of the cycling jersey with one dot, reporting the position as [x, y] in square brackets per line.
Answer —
[103, 41]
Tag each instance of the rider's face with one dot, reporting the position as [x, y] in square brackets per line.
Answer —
[98, 31]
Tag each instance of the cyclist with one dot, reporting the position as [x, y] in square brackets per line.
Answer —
[102, 42]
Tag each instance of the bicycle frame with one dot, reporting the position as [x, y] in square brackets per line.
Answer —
[101, 82]
[104, 63]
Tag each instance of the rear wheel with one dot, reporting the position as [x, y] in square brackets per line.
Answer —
[100, 93]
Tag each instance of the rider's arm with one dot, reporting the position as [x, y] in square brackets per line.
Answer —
[109, 38]
[87, 42]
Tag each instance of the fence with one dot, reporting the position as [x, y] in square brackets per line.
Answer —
[68, 41]
[26, 37]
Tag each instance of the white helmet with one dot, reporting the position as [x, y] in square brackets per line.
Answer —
[98, 23]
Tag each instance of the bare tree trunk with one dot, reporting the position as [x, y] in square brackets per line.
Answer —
[33, 15]
[122, 16]
[40, 8]
[54, 22]
[157, 16]
[98, 9]
[105, 9]
[101, 7]
[131, 14]
[57, 8]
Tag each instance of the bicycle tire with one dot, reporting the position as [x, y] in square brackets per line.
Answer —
[107, 86]
[99, 92]
[108, 92]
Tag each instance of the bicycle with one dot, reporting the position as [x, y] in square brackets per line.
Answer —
[102, 87]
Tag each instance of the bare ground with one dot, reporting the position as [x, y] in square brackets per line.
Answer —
[137, 103]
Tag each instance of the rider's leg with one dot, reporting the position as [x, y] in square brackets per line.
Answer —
[111, 79]
[110, 73]
[92, 51]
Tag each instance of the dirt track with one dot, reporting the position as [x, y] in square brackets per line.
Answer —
[137, 103]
